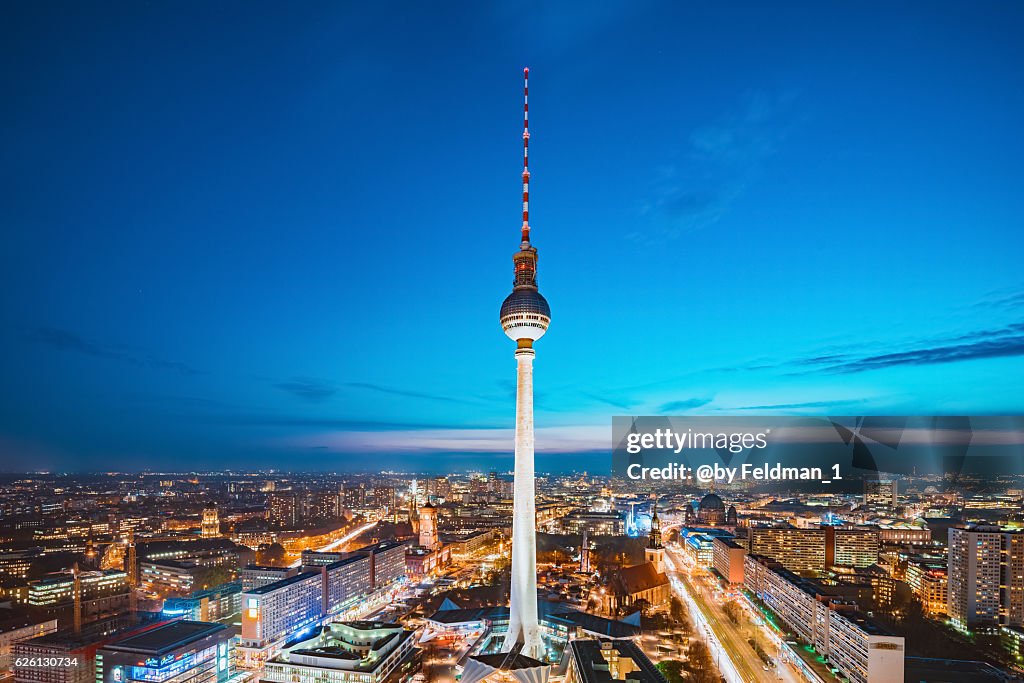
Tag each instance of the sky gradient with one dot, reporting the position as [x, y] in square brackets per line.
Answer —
[278, 236]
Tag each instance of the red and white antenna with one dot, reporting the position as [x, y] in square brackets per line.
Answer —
[526, 148]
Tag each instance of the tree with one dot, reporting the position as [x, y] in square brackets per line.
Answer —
[678, 614]
[272, 555]
[672, 670]
[643, 605]
[208, 577]
[732, 611]
[699, 663]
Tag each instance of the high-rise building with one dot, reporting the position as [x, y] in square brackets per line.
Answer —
[852, 547]
[285, 509]
[881, 492]
[927, 577]
[276, 611]
[324, 506]
[985, 572]
[816, 549]
[211, 522]
[281, 610]
[439, 487]
[798, 549]
[354, 496]
[525, 316]
[384, 498]
[727, 557]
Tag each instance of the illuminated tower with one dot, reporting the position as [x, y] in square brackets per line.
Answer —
[428, 527]
[211, 521]
[524, 317]
[655, 551]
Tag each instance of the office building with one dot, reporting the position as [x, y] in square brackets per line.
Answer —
[78, 647]
[178, 651]
[881, 492]
[851, 547]
[213, 604]
[277, 611]
[928, 577]
[727, 559]
[16, 563]
[596, 523]
[104, 593]
[255, 576]
[17, 629]
[170, 577]
[798, 549]
[816, 549]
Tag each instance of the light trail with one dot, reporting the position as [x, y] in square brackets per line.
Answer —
[721, 656]
[716, 646]
[341, 541]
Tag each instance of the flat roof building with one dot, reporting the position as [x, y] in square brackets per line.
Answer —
[193, 651]
[727, 559]
[862, 650]
[347, 652]
[605, 661]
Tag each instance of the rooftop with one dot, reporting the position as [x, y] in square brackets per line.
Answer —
[593, 668]
[162, 639]
[277, 585]
[951, 671]
[510, 662]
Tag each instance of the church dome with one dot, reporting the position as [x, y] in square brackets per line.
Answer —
[711, 503]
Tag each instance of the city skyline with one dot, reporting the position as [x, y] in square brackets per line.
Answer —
[244, 251]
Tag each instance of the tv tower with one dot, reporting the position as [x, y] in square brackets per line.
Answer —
[525, 317]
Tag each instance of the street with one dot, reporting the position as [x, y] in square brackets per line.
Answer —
[733, 654]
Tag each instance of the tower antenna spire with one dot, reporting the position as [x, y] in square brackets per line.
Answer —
[526, 158]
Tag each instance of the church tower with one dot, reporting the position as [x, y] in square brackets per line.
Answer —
[655, 551]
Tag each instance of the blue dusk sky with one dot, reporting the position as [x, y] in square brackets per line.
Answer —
[255, 235]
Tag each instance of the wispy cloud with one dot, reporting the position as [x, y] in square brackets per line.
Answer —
[370, 386]
[1000, 342]
[837, 403]
[1007, 299]
[290, 421]
[721, 160]
[683, 405]
[308, 389]
[614, 400]
[71, 342]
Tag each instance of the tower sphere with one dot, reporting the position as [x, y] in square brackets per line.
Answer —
[525, 314]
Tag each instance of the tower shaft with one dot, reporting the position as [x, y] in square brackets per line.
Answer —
[523, 625]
